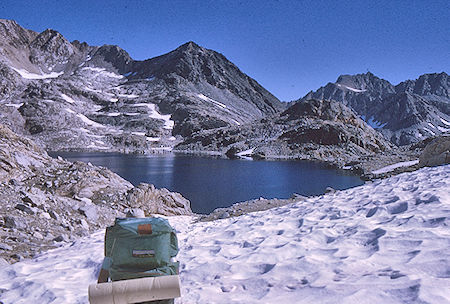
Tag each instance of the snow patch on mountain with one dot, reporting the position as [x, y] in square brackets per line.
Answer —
[218, 104]
[131, 96]
[246, 152]
[373, 122]
[115, 114]
[351, 89]
[103, 72]
[168, 123]
[14, 105]
[28, 75]
[444, 121]
[444, 130]
[67, 98]
[429, 131]
[138, 133]
[89, 122]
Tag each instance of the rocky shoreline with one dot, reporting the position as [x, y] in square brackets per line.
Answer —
[363, 168]
[430, 153]
[48, 201]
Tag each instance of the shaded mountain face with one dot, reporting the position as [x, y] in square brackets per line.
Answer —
[314, 129]
[76, 96]
[407, 113]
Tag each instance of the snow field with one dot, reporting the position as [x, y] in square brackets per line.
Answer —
[168, 123]
[373, 123]
[89, 122]
[426, 129]
[103, 72]
[395, 166]
[383, 242]
[27, 75]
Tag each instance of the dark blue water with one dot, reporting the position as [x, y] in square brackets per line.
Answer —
[210, 183]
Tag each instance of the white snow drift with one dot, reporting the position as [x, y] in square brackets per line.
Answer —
[218, 104]
[351, 89]
[168, 123]
[395, 166]
[384, 242]
[28, 75]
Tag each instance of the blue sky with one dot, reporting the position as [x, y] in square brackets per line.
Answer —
[289, 47]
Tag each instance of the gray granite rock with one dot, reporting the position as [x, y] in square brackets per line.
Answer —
[196, 88]
[14, 222]
[5, 247]
[152, 200]
[318, 130]
[436, 152]
[90, 212]
[25, 209]
[61, 238]
[135, 212]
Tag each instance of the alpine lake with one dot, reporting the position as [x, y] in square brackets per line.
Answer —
[211, 183]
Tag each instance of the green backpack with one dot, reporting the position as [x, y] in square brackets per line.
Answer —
[141, 247]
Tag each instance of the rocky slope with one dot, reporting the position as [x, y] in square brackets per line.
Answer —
[406, 113]
[313, 130]
[47, 201]
[73, 96]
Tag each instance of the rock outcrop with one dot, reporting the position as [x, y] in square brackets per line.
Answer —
[406, 113]
[436, 153]
[163, 201]
[314, 130]
[47, 201]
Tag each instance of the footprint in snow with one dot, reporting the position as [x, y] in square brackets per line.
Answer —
[398, 208]
[265, 268]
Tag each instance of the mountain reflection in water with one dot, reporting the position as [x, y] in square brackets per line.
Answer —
[210, 183]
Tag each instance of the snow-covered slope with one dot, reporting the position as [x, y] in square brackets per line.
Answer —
[384, 242]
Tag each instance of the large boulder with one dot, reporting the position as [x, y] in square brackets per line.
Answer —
[436, 152]
[161, 201]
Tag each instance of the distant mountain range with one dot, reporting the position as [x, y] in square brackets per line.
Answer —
[73, 96]
[408, 112]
